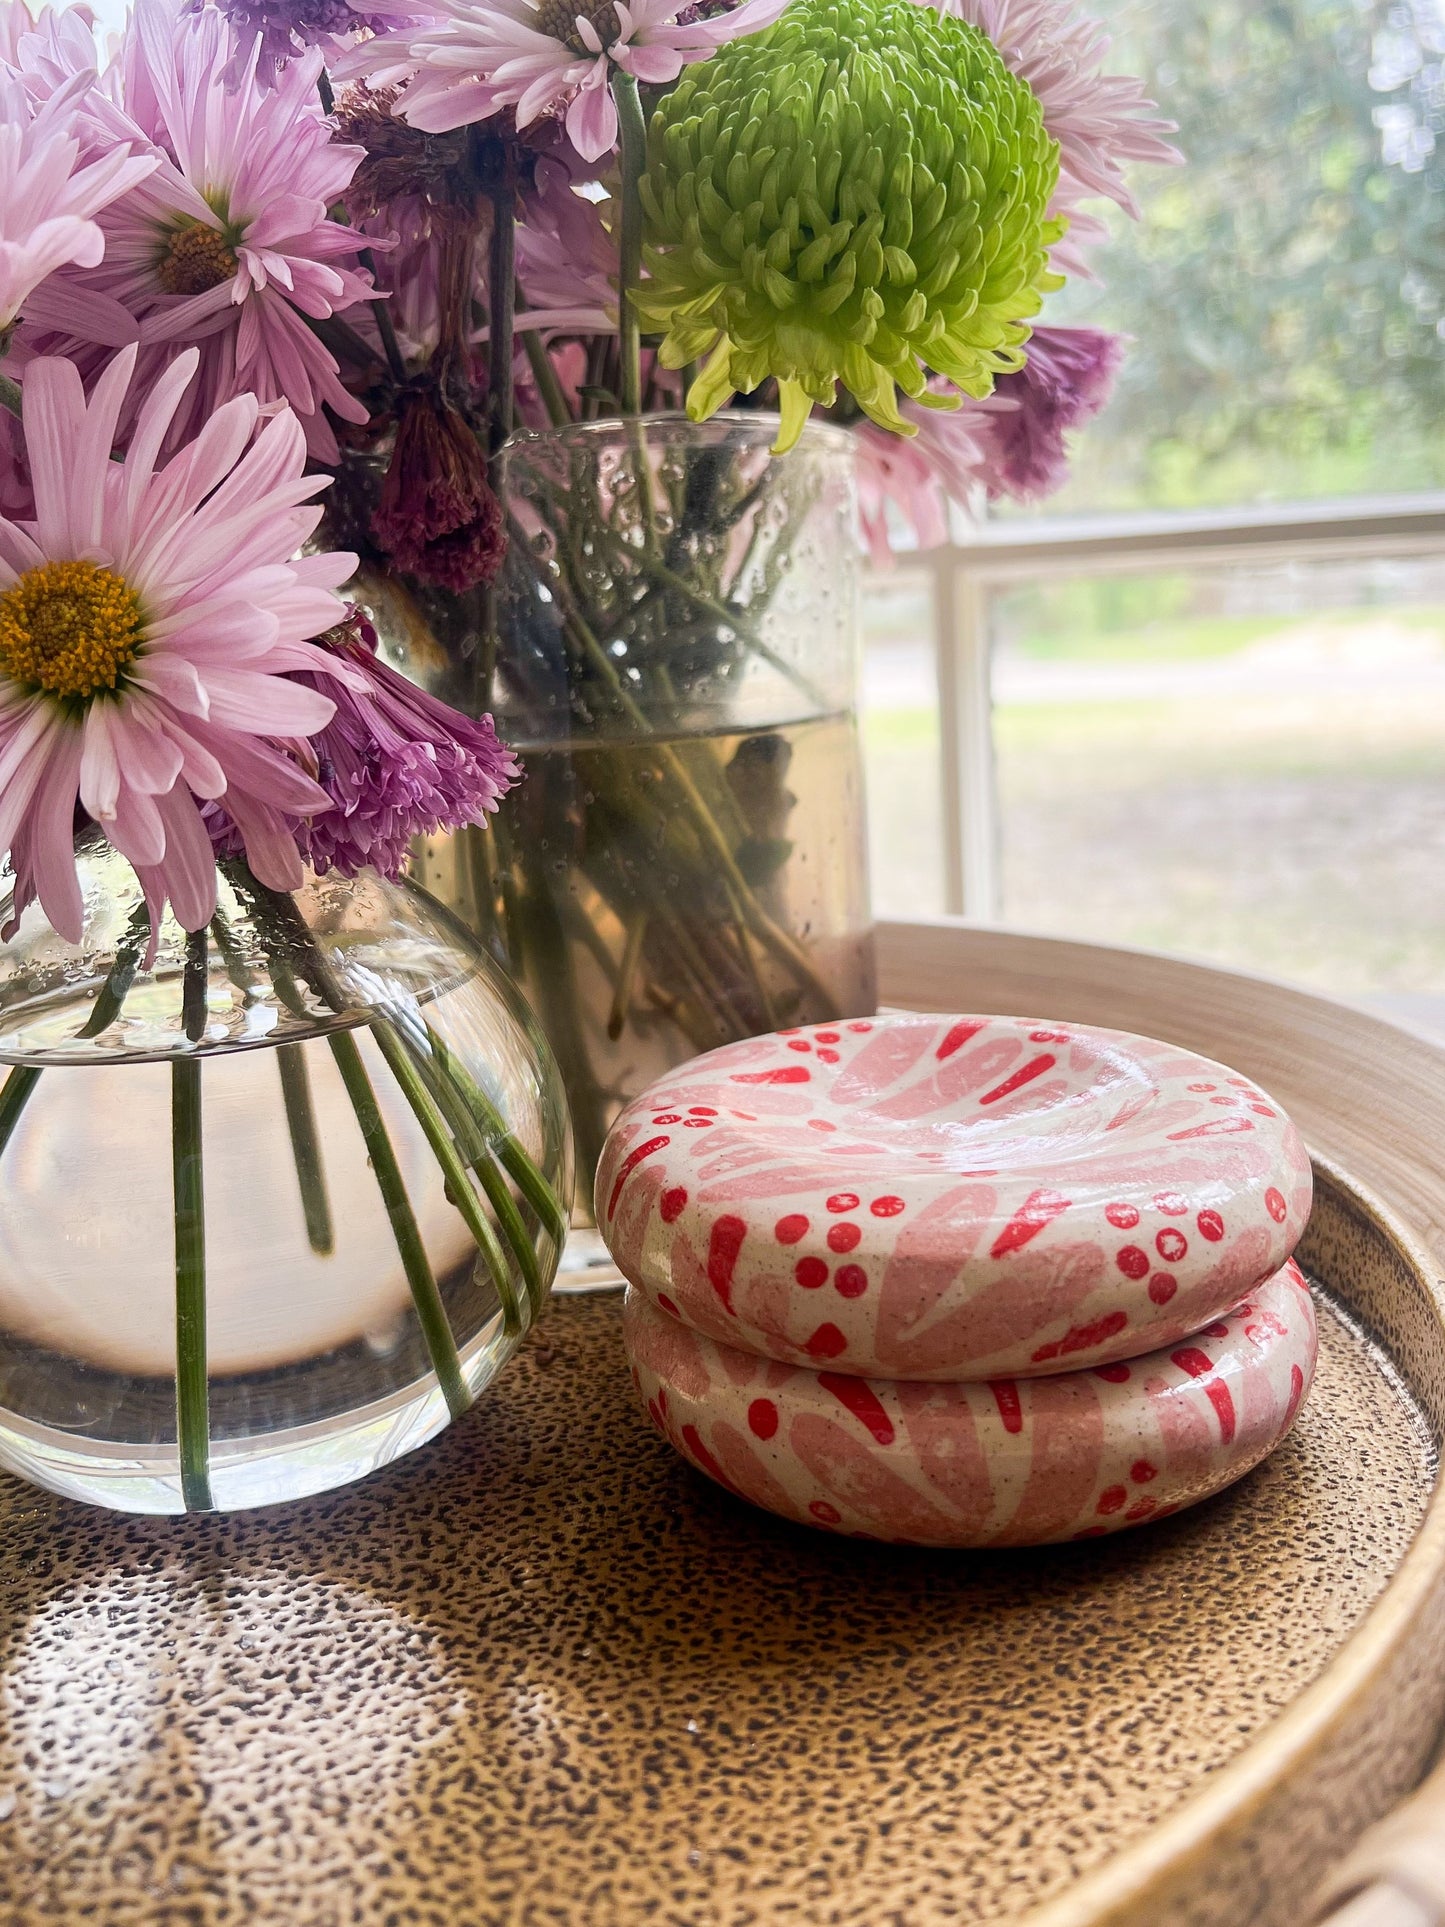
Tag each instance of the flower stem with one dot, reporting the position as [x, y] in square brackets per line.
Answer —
[10, 394]
[509, 1151]
[306, 1149]
[381, 314]
[194, 983]
[14, 1096]
[431, 1313]
[475, 1152]
[773, 938]
[459, 1184]
[499, 184]
[545, 376]
[633, 129]
[193, 1426]
[110, 999]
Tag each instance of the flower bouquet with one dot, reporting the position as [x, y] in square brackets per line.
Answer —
[532, 349]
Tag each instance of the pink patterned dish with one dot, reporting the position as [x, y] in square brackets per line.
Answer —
[951, 1197]
[1012, 1463]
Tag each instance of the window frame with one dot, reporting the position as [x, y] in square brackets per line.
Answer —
[989, 558]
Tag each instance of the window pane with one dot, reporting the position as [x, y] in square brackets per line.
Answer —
[1285, 289]
[1245, 765]
[901, 747]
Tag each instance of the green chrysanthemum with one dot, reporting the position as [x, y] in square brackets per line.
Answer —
[858, 195]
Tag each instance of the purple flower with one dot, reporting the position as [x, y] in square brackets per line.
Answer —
[1067, 379]
[396, 763]
[288, 27]
[438, 518]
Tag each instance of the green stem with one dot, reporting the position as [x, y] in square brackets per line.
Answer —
[626, 974]
[306, 1149]
[634, 161]
[381, 314]
[113, 992]
[193, 1426]
[14, 1096]
[431, 1313]
[9, 394]
[194, 984]
[719, 612]
[501, 190]
[476, 1152]
[459, 1184]
[770, 934]
[545, 376]
[508, 1149]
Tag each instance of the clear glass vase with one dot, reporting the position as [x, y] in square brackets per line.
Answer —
[685, 861]
[277, 1200]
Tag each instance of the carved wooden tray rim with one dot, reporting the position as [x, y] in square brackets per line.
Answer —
[1177, 1847]
[1371, 1102]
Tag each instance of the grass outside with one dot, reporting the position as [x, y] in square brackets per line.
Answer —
[1302, 833]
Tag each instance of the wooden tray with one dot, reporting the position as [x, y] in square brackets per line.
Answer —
[541, 1672]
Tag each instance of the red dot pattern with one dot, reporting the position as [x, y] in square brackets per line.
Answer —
[1170, 1245]
[860, 1465]
[763, 1418]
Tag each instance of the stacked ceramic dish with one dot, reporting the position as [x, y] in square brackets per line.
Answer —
[962, 1281]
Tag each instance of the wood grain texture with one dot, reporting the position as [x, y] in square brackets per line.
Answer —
[541, 1674]
[1367, 1094]
[1370, 1098]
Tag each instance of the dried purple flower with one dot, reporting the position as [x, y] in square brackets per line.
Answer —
[402, 163]
[1066, 380]
[438, 518]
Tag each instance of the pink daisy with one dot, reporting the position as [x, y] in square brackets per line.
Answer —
[229, 243]
[149, 621]
[465, 60]
[49, 47]
[1101, 121]
[918, 475]
[50, 191]
[567, 262]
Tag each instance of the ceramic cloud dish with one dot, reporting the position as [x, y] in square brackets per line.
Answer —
[921, 1200]
[928, 1197]
[1014, 1462]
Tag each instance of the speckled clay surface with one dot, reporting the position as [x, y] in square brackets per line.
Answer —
[950, 1198]
[1015, 1462]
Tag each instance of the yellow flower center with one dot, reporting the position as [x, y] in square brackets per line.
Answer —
[196, 258]
[69, 628]
[558, 20]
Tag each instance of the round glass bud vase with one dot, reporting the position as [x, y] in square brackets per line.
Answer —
[685, 861]
[277, 1199]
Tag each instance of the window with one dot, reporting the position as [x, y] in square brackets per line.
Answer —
[1198, 702]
